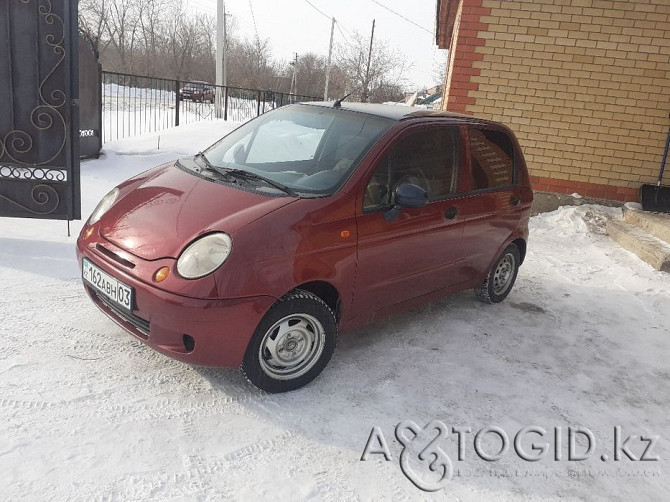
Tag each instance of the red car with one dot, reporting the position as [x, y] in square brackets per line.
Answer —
[197, 91]
[308, 219]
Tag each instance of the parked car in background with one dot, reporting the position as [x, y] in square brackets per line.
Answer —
[197, 91]
[309, 219]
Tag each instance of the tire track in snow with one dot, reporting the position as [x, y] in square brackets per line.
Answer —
[199, 475]
[249, 457]
[16, 405]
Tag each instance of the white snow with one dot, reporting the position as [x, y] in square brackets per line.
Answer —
[90, 413]
[129, 111]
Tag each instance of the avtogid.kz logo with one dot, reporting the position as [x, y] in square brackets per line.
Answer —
[424, 461]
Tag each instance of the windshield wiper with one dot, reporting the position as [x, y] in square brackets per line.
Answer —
[208, 164]
[240, 173]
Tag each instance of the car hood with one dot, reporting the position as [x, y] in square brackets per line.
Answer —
[161, 211]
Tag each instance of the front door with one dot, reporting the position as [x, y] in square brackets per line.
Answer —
[418, 251]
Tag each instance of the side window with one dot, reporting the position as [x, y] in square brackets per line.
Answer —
[492, 154]
[427, 158]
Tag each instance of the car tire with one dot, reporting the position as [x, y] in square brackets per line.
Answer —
[501, 277]
[292, 344]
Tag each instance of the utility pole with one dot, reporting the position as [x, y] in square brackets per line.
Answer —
[220, 54]
[366, 91]
[225, 52]
[330, 55]
[294, 79]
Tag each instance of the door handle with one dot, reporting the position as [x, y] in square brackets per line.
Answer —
[451, 213]
[515, 201]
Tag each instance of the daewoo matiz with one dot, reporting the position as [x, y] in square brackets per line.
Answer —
[308, 219]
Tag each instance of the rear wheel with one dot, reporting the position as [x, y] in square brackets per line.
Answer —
[292, 343]
[501, 277]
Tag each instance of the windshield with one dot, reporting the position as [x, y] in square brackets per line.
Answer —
[310, 149]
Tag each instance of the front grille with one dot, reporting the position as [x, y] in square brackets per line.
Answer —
[114, 256]
[142, 325]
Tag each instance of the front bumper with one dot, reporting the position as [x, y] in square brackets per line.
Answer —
[217, 331]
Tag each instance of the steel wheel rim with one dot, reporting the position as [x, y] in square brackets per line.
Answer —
[291, 347]
[502, 277]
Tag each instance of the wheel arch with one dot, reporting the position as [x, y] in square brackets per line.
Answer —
[326, 291]
[521, 246]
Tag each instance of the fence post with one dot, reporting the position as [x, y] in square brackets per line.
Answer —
[225, 103]
[177, 101]
[258, 103]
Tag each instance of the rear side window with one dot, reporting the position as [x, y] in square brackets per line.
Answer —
[427, 158]
[492, 154]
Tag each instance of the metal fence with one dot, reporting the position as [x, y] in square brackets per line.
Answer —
[134, 104]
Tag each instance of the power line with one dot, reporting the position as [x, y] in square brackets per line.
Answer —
[254, 20]
[403, 17]
[344, 37]
[339, 25]
[318, 10]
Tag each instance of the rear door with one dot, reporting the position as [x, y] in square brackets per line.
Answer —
[418, 251]
[492, 206]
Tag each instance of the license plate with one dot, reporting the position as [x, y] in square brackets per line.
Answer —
[111, 288]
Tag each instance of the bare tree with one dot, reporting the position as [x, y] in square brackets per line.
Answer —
[250, 64]
[440, 67]
[152, 21]
[121, 22]
[311, 74]
[92, 15]
[387, 68]
[161, 38]
[184, 42]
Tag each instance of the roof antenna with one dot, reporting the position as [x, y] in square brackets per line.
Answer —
[338, 103]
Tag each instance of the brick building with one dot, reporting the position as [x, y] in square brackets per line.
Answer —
[585, 84]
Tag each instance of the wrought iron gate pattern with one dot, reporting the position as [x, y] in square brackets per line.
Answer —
[39, 170]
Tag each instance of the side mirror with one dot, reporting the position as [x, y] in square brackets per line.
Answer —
[407, 195]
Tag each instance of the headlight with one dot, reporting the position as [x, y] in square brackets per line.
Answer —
[103, 206]
[203, 256]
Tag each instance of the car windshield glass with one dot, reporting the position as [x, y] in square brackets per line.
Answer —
[310, 149]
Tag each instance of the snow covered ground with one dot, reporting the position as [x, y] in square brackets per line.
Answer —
[89, 413]
[129, 111]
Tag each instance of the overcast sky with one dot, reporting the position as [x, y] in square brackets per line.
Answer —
[295, 26]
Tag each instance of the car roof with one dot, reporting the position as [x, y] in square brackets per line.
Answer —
[400, 112]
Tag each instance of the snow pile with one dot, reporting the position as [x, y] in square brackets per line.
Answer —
[88, 412]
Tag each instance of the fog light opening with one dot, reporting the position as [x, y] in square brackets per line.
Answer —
[189, 343]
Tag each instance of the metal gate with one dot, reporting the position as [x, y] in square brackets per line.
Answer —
[39, 130]
[90, 99]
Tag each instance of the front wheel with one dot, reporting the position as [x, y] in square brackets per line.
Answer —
[292, 344]
[501, 277]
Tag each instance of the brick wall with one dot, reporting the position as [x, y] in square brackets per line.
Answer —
[585, 84]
